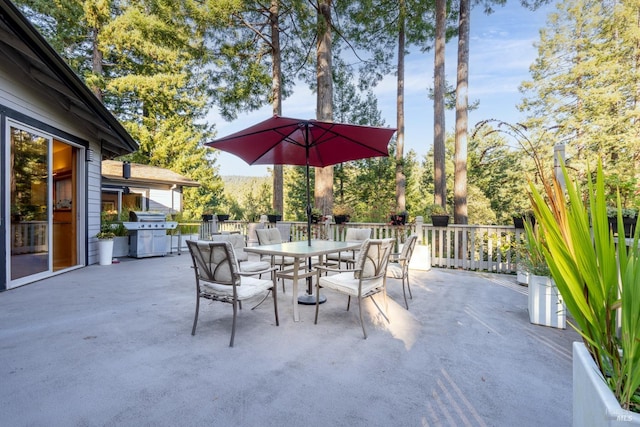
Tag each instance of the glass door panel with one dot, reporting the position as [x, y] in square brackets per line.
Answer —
[29, 203]
[64, 206]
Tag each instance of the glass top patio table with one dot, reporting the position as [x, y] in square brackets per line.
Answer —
[302, 250]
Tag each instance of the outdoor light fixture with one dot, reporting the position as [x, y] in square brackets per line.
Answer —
[88, 155]
[126, 170]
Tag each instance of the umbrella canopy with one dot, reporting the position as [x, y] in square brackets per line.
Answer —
[288, 141]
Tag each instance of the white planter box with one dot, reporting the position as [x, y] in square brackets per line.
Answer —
[121, 246]
[522, 277]
[105, 251]
[545, 303]
[594, 405]
[421, 258]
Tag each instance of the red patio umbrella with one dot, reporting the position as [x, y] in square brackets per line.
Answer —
[288, 141]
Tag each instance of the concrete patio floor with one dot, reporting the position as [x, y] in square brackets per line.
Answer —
[112, 346]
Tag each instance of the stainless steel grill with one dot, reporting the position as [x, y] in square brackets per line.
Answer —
[148, 234]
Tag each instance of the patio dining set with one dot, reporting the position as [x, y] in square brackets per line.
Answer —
[357, 267]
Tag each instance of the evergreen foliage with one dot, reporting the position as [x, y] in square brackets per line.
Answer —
[153, 75]
[585, 83]
[164, 64]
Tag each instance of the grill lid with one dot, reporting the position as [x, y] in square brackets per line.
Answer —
[140, 216]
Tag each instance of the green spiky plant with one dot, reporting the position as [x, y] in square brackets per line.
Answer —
[533, 254]
[599, 280]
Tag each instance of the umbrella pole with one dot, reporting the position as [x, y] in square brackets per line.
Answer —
[309, 298]
[308, 203]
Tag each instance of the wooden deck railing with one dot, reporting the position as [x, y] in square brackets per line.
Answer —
[468, 247]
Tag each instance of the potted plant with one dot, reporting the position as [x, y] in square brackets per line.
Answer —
[598, 279]
[522, 258]
[544, 300]
[121, 239]
[399, 218]
[629, 219]
[105, 244]
[274, 217]
[222, 217]
[316, 215]
[342, 213]
[439, 215]
[522, 216]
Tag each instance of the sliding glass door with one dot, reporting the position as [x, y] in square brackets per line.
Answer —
[29, 187]
[43, 205]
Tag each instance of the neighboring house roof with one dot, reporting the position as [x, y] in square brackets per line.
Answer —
[143, 174]
[32, 55]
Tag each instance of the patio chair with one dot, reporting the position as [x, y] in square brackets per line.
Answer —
[367, 278]
[398, 267]
[218, 278]
[272, 236]
[352, 235]
[239, 242]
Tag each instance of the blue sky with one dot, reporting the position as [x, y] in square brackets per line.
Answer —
[501, 51]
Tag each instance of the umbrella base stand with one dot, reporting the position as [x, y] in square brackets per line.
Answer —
[307, 299]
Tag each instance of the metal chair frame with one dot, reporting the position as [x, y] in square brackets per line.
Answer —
[399, 263]
[219, 261]
[371, 265]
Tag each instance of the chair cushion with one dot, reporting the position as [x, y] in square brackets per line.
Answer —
[249, 287]
[357, 234]
[394, 270]
[269, 236]
[237, 241]
[213, 263]
[373, 258]
[408, 247]
[346, 283]
[342, 256]
[248, 266]
[277, 260]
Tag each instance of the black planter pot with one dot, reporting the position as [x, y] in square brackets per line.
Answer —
[628, 223]
[274, 218]
[629, 226]
[518, 221]
[207, 217]
[340, 219]
[398, 219]
[222, 218]
[440, 220]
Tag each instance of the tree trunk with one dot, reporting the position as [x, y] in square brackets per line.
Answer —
[96, 62]
[400, 177]
[440, 177]
[460, 215]
[276, 54]
[324, 108]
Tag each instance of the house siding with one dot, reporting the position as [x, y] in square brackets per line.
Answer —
[164, 201]
[94, 191]
[22, 97]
